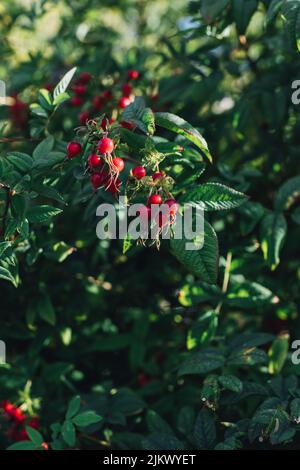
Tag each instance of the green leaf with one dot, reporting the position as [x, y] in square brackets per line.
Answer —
[22, 445]
[248, 295]
[160, 441]
[242, 13]
[248, 357]
[40, 214]
[278, 353]
[46, 310]
[47, 161]
[230, 382]
[45, 99]
[202, 262]
[180, 126]
[291, 14]
[288, 194]
[86, 419]
[201, 362]
[62, 86]
[43, 148]
[21, 161]
[7, 276]
[140, 116]
[73, 407]
[204, 435]
[273, 10]
[211, 9]
[213, 197]
[202, 330]
[60, 99]
[273, 232]
[185, 420]
[156, 424]
[68, 433]
[35, 436]
[37, 110]
[295, 409]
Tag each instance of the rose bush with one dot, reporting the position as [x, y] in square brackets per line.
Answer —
[111, 343]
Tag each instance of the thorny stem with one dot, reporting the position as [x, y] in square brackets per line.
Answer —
[226, 279]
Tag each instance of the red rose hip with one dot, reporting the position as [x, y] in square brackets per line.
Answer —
[154, 199]
[133, 74]
[118, 163]
[106, 145]
[172, 205]
[73, 149]
[94, 160]
[139, 172]
[124, 102]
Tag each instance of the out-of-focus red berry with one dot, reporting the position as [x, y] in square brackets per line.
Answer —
[127, 125]
[76, 101]
[98, 102]
[84, 116]
[133, 74]
[127, 89]
[79, 89]
[124, 102]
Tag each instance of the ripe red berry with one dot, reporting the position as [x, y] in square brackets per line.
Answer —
[18, 415]
[76, 101]
[98, 179]
[124, 102]
[45, 445]
[34, 422]
[154, 199]
[157, 175]
[118, 163]
[83, 117]
[107, 94]
[106, 145]
[172, 205]
[73, 149]
[84, 78]
[139, 172]
[79, 89]
[126, 89]
[127, 125]
[113, 186]
[144, 379]
[98, 102]
[133, 74]
[94, 160]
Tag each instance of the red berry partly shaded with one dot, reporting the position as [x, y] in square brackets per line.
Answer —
[138, 172]
[84, 78]
[106, 145]
[133, 74]
[127, 125]
[127, 89]
[124, 102]
[98, 102]
[118, 163]
[83, 117]
[79, 89]
[98, 179]
[73, 149]
[172, 205]
[76, 101]
[94, 160]
[45, 445]
[157, 175]
[154, 199]
[113, 186]
[107, 95]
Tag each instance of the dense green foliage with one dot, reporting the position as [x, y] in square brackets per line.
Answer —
[122, 346]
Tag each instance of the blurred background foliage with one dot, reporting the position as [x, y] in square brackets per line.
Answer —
[114, 328]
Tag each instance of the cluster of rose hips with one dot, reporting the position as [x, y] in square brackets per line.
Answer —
[104, 168]
[17, 420]
[80, 90]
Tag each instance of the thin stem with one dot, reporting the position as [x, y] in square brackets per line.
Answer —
[225, 279]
